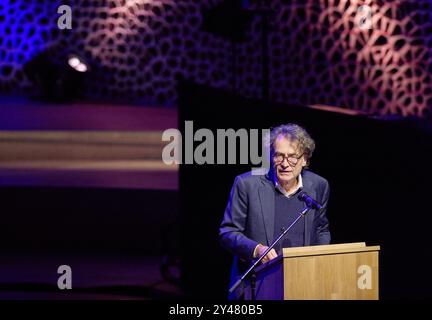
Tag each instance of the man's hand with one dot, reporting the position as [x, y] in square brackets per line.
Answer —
[261, 249]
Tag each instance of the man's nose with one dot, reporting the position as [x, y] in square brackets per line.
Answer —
[285, 163]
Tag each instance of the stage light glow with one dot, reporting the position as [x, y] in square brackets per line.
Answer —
[81, 67]
[74, 62]
[77, 63]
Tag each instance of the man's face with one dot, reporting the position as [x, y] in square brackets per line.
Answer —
[288, 160]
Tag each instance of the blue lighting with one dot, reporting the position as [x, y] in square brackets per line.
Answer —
[26, 28]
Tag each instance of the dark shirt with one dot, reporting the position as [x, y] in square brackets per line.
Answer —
[286, 211]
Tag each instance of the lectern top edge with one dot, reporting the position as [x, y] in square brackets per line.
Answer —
[328, 249]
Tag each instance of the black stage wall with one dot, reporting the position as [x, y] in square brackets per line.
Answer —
[379, 175]
[72, 219]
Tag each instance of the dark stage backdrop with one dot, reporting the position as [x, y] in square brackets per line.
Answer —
[68, 219]
[379, 175]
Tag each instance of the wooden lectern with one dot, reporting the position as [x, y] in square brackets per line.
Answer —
[340, 271]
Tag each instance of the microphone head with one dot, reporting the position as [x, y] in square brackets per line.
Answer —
[311, 203]
[303, 196]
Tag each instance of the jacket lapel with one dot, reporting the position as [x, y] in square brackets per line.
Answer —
[267, 199]
[309, 217]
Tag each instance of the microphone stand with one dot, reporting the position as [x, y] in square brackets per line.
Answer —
[253, 266]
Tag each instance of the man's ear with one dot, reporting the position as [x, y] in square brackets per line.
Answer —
[304, 163]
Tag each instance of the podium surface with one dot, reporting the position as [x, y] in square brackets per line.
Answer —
[346, 271]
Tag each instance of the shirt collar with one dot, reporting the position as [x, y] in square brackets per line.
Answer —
[283, 191]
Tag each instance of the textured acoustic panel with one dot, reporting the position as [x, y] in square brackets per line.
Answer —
[317, 53]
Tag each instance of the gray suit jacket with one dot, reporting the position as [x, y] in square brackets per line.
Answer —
[249, 217]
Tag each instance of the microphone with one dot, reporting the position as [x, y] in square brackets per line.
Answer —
[311, 203]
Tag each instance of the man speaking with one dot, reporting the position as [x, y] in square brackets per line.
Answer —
[260, 206]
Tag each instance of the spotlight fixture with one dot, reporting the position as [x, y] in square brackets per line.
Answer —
[57, 76]
[77, 63]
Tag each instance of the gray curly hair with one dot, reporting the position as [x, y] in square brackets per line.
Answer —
[294, 133]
